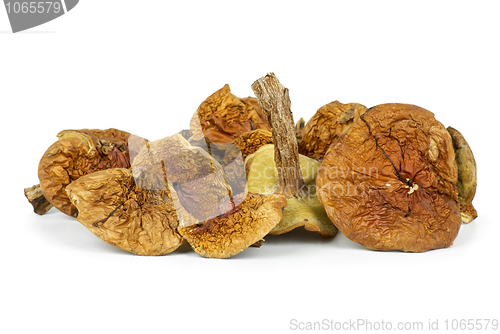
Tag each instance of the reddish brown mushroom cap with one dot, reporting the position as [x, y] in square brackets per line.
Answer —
[389, 183]
[329, 122]
[222, 117]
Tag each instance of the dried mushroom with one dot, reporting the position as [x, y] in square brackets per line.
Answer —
[278, 168]
[199, 180]
[468, 213]
[329, 122]
[222, 117]
[467, 175]
[389, 183]
[35, 197]
[247, 143]
[237, 229]
[111, 206]
[77, 153]
[216, 220]
[299, 130]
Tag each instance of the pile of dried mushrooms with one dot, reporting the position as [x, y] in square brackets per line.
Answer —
[390, 177]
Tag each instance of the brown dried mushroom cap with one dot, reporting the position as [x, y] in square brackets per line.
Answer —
[213, 218]
[222, 117]
[77, 153]
[389, 183]
[329, 122]
[305, 211]
[238, 229]
[111, 206]
[199, 180]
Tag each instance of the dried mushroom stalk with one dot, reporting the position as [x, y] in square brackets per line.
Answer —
[222, 117]
[111, 206]
[467, 175]
[38, 201]
[389, 183]
[280, 169]
[275, 103]
[77, 153]
[329, 122]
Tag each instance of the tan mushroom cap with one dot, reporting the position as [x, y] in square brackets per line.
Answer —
[329, 122]
[389, 183]
[111, 206]
[262, 177]
[467, 169]
[199, 180]
[238, 229]
[77, 153]
[222, 117]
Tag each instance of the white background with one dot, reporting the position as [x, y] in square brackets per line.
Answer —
[145, 66]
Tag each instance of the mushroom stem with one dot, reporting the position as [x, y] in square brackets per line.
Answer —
[275, 103]
[37, 199]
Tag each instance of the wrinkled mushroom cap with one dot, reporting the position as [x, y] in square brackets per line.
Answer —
[247, 143]
[111, 206]
[222, 117]
[368, 202]
[467, 169]
[329, 122]
[200, 182]
[306, 211]
[77, 153]
[238, 229]
[216, 220]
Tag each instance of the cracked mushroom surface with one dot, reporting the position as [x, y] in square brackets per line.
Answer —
[110, 205]
[327, 124]
[389, 183]
[222, 117]
[77, 153]
[237, 229]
